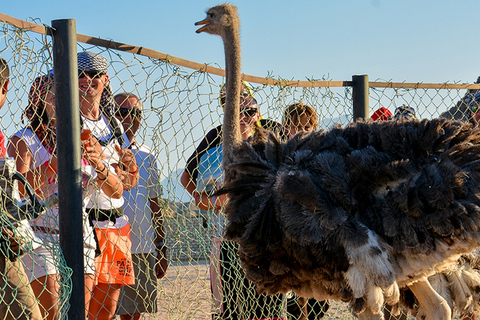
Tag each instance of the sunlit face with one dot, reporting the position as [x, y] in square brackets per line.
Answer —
[49, 104]
[91, 84]
[248, 117]
[298, 125]
[127, 114]
[3, 93]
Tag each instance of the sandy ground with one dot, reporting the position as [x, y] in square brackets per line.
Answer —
[184, 294]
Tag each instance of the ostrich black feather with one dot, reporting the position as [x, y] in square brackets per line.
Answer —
[396, 200]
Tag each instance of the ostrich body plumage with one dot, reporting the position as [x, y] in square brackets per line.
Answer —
[370, 205]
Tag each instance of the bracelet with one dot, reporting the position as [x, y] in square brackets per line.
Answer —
[134, 172]
[106, 176]
[101, 171]
[159, 245]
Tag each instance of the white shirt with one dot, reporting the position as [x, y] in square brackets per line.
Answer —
[93, 196]
[40, 156]
[137, 204]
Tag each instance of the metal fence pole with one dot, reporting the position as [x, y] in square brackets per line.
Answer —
[69, 159]
[360, 97]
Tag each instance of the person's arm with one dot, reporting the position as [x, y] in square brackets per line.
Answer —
[160, 247]
[202, 200]
[189, 175]
[106, 180]
[127, 168]
[188, 182]
[18, 149]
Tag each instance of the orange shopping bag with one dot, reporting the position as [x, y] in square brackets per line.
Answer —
[114, 265]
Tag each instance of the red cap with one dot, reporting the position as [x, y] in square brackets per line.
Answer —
[382, 114]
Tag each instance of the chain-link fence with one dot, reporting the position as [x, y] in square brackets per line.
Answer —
[180, 104]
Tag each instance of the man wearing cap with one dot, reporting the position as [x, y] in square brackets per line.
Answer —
[114, 166]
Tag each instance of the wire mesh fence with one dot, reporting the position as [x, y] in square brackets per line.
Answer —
[179, 106]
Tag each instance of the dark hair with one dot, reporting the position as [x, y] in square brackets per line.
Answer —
[35, 112]
[124, 96]
[4, 71]
[295, 111]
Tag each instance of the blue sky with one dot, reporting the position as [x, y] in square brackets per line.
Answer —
[407, 40]
[391, 40]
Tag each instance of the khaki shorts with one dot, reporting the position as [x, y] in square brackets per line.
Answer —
[17, 300]
[142, 296]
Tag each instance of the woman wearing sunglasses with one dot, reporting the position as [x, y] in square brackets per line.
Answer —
[234, 296]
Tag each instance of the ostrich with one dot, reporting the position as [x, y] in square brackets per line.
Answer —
[354, 214]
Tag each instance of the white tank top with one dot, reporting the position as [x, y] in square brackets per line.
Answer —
[41, 155]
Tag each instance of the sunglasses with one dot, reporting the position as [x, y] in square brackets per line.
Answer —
[249, 112]
[91, 73]
[133, 112]
[474, 107]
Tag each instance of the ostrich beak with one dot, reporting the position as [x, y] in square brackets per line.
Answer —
[206, 22]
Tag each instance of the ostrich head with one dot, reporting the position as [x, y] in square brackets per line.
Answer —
[219, 18]
[223, 21]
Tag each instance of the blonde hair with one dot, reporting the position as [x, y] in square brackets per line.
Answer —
[246, 90]
[295, 111]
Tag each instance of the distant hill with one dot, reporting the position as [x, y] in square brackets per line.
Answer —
[173, 189]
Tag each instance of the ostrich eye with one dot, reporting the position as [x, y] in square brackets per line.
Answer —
[211, 15]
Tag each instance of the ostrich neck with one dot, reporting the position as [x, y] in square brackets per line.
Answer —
[232, 136]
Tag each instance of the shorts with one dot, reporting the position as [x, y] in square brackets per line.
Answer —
[142, 296]
[17, 300]
[46, 260]
[39, 263]
[114, 265]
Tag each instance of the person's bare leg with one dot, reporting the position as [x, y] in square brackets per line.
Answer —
[135, 316]
[46, 290]
[104, 301]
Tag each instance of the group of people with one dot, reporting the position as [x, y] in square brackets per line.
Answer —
[123, 234]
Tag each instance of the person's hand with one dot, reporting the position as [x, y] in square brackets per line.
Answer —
[162, 264]
[127, 160]
[127, 168]
[92, 151]
[201, 200]
[206, 202]
[10, 237]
